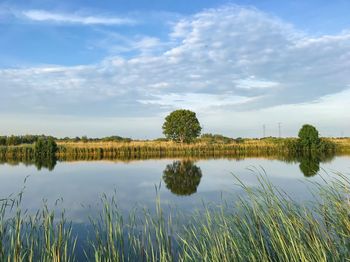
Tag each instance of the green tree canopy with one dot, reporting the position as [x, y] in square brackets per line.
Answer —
[45, 147]
[309, 137]
[182, 126]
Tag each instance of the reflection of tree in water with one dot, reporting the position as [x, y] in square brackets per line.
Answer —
[310, 162]
[182, 177]
[309, 165]
[45, 162]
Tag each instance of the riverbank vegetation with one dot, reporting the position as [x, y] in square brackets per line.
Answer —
[176, 145]
[208, 145]
[264, 224]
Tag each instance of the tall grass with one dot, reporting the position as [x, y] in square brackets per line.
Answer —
[37, 237]
[157, 149]
[264, 224]
[268, 226]
[162, 149]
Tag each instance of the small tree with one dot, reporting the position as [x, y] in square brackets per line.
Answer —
[182, 126]
[45, 147]
[308, 137]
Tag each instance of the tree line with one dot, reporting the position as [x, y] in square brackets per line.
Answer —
[182, 126]
[32, 139]
[19, 140]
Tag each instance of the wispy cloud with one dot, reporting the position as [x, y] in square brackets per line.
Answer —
[42, 15]
[196, 101]
[230, 59]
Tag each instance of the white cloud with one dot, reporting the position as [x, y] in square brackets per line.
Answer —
[251, 83]
[42, 15]
[231, 59]
[195, 101]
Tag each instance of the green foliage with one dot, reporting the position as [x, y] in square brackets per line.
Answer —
[216, 138]
[309, 137]
[45, 153]
[309, 140]
[182, 177]
[161, 139]
[45, 147]
[86, 139]
[116, 139]
[182, 126]
[239, 140]
[18, 140]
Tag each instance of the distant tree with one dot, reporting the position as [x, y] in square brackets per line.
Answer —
[182, 126]
[308, 137]
[45, 148]
[13, 140]
[239, 140]
[3, 140]
[216, 138]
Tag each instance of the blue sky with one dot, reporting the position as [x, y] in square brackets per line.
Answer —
[101, 68]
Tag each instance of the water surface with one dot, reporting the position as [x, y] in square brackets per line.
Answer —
[77, 187]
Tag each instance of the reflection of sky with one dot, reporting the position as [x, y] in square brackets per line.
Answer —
[82, 184]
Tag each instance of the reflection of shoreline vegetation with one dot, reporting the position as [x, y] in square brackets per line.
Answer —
[288, 158]
[308, 149]
[263, 225]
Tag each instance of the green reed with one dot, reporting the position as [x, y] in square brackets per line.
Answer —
[267, 225]
[38, 237]
[264, 224]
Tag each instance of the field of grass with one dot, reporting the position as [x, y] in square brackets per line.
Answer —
[263, 225]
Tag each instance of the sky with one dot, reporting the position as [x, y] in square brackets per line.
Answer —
[101, 68]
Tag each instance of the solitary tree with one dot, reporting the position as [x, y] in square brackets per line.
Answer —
[308, 137]
[181, 126]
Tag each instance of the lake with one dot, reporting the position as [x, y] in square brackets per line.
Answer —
[78, 187]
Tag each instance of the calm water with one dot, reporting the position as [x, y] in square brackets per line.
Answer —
[77, 187]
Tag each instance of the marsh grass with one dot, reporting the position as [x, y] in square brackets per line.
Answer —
[267, 225]
[159, 149]
[37, 237]
[151, 149]
[264, 224]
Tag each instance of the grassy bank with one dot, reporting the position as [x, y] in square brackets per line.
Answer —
[129, 150]
[342, 144]
[268, 146]
[263, 225]
[169, 149]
